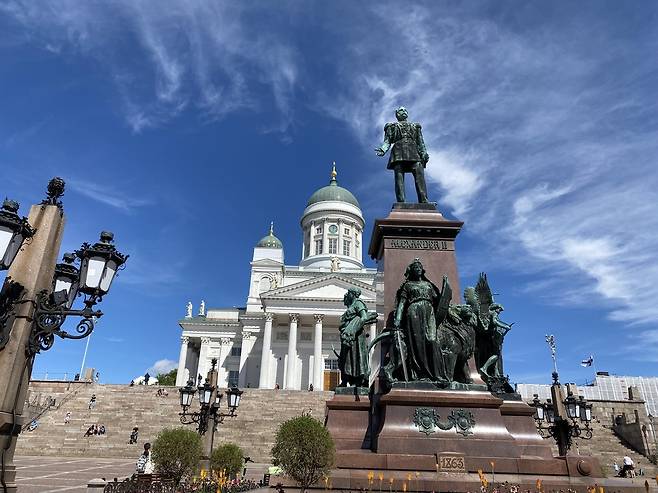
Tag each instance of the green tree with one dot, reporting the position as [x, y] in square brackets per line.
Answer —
[176, 453]
[228, 458]
[167, 378]
[304, 449]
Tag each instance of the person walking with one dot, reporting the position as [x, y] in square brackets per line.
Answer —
[92, 402]
[144, 463]
[67, 418]
[134, 435]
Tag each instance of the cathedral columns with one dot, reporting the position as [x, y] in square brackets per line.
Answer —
[265, 359]
[204, 364]
[248, 340]
[317, 353]
[182, 359]
[291, 371]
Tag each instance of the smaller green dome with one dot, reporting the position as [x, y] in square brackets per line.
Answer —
[333, 192]
[270, 241]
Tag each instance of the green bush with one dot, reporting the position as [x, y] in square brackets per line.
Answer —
[304, 450]
[167, 378]
[176, 453]
[228, 458]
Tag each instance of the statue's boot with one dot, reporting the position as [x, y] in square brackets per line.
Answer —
[421, 186]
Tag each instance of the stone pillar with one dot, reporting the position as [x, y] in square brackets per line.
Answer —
[339, 248]
[317, 353]
[291, 371]
[225, 345]
[248, 340]
[33, 268]
[182, 359]
[204, 364]
[265, 355]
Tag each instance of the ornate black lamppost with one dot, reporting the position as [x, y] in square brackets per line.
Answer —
[36, 299]
[561, 417]
[209, 414]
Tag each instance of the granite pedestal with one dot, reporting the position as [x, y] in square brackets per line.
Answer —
[418, 438]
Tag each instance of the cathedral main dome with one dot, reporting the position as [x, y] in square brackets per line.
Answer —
[333, 193]
[332, 224]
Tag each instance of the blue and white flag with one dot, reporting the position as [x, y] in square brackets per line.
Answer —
[587, 362]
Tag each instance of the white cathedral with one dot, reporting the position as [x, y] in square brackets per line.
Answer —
[286, 333]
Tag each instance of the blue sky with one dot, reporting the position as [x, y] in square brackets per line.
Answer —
[185, 127]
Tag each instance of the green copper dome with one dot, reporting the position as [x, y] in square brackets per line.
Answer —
[270, 241]
[333, 192]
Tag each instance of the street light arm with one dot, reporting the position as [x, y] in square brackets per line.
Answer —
[49, 316]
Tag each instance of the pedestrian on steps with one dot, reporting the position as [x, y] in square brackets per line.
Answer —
[628, 471]
[134, 435]
[144, 463]
[67, 418]
[92, 402]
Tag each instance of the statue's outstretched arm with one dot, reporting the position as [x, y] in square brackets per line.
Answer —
[386, 145]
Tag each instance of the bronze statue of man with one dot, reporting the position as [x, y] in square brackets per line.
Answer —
[408, 153]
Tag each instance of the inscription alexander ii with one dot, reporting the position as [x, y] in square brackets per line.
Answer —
[419, 244]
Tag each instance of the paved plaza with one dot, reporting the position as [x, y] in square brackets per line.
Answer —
[69, 474]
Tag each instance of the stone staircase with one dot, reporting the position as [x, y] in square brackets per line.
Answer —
[606, 446]
[121, 407]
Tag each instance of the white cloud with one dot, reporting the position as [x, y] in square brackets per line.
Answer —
[161, 366]
[451, 171]
[167, 58]
[106, 195]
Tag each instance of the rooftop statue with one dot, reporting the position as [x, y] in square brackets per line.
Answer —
[353, 357]
[408, 154]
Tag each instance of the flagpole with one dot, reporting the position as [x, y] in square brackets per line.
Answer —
[84, 356]
[594, 366]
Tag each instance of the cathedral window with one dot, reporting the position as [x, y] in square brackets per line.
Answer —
[347, 231]
[318, 230]
[236, 351]
[281, 336]
[346, 247]
[318, 247]
[333, 245]
[305, 336]
[331, 364]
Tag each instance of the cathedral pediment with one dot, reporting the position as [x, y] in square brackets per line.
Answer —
[331, 287]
